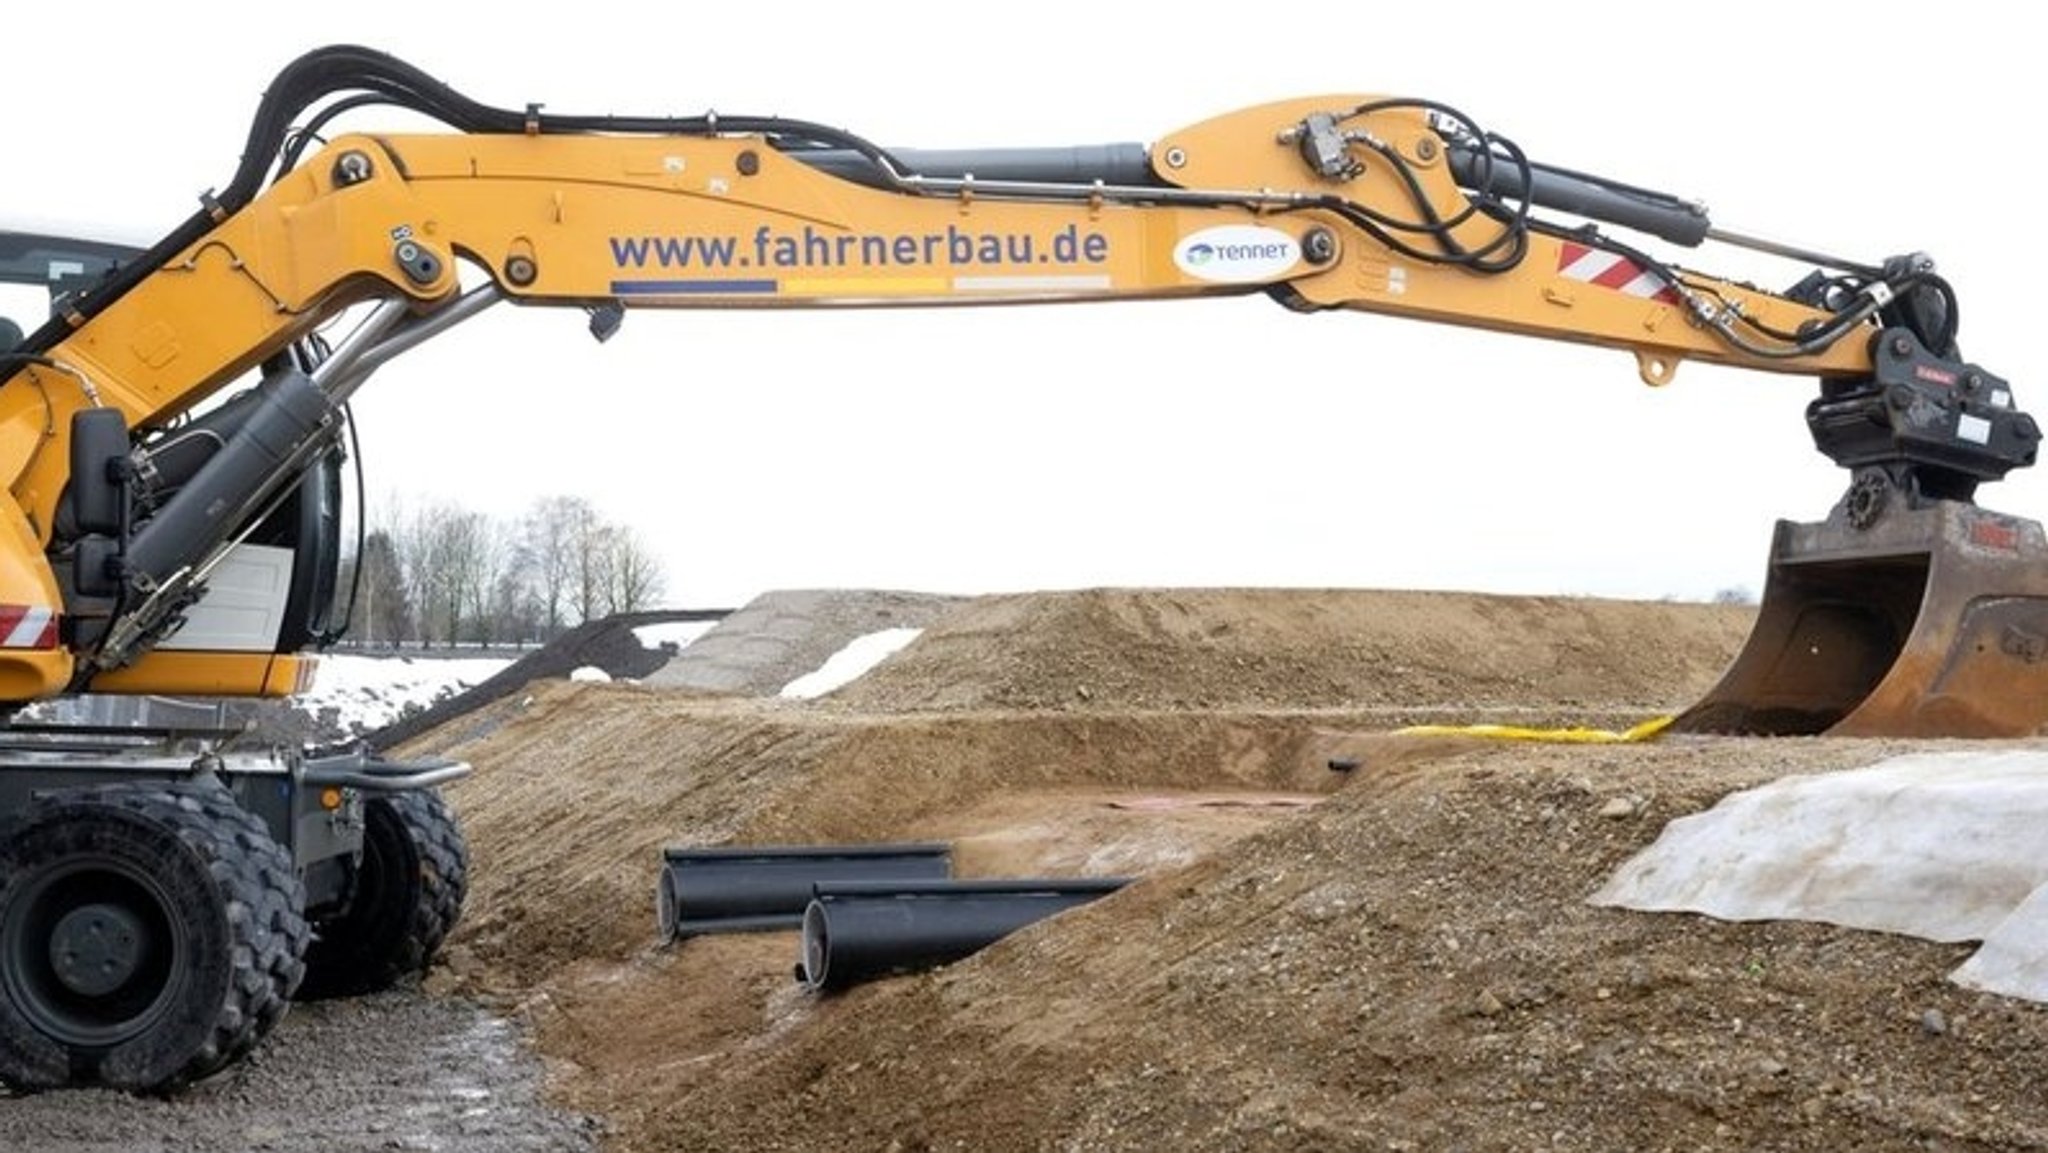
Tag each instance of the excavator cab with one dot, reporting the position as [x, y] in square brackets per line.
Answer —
[57, 264]
[275, 590]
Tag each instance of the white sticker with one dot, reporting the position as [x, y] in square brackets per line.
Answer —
[1974, 429]
[1397, 280]
[59, 269]
[1237, 254]
[2001, 398]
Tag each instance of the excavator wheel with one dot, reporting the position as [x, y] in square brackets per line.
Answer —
[150, 935]
[407, 896]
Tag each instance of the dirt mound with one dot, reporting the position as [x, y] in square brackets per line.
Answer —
[1412, 967]
[1303, 649]
[779, 636]
[1395, 958]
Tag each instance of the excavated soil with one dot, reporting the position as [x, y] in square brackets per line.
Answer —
[1394, 957]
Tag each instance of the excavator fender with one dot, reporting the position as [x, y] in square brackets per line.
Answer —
[1926, 621]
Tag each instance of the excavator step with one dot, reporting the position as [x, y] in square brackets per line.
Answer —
[1894, 621]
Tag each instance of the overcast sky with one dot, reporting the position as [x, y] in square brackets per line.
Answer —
[1222, 442]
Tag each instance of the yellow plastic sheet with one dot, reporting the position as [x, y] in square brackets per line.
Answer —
[1647, 731]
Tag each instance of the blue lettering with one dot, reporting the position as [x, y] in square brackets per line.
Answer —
[629, 251]
[812, 247]
[817, 248]
[716, 251]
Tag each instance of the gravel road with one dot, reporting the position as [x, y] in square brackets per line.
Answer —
[396, 1071]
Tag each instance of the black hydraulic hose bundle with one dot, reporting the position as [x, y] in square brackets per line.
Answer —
[378, 78]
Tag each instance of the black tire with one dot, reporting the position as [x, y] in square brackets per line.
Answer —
[150, 935]
[407, 895]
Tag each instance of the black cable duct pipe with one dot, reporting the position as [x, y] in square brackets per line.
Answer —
[860, 930]
[760, 889]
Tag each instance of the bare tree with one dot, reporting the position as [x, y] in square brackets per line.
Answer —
[636, 573]
[440, 549]
[383, 610]
[551, 539]
[593, 590]
[453, 574]
[516, 614]
[419, 561]
[480, 551]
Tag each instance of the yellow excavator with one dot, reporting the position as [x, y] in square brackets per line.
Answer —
[172, 442]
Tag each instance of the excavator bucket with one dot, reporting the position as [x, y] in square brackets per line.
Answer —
[1925, 622]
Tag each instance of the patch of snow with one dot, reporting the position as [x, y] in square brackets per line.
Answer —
[367, 693]
[677, 633]
[860, 654]
[590, 674]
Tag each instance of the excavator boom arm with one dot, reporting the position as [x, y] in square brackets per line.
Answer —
[719, 221]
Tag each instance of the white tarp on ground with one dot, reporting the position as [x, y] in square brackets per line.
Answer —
[1946, 847]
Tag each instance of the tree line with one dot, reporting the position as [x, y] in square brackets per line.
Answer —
[442, 574]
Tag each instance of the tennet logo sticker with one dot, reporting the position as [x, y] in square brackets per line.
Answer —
[1236, 253]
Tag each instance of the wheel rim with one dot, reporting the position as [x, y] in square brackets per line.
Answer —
[92, 952]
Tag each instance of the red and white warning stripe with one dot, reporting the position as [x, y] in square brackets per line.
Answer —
[27, 627]
[1612, 270]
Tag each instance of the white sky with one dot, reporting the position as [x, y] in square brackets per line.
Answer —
[1221, 442]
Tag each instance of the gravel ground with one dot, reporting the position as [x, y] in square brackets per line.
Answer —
[397, 1071]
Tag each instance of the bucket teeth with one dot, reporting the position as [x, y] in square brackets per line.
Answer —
[1923, 622]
